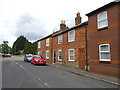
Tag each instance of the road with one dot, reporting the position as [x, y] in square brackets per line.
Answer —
[19, 74]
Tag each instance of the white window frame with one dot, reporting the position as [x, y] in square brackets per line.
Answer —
[70, 55]
[103, 19]
[38, 52]
[47, 42]
[71, 38]
[60, 39]
[104, 52]
[47, 54]
[39, 44]
[59, 54]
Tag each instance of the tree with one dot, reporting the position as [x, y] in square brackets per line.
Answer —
[5, 47]
[0, 48]
[19, 44]
[30, 47]
[22, 45]
[34, 46]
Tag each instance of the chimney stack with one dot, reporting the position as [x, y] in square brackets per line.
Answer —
[78, 19]
[62, 25]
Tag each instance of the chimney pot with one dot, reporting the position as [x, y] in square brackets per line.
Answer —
[62, 22]
[78, 14]
[78, 19]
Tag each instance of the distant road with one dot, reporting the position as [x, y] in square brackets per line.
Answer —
[19, 74]
[13, 58]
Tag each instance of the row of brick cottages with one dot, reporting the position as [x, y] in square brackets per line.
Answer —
[91, 45]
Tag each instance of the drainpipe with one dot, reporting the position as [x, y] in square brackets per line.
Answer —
[51, 49]
[87, 65]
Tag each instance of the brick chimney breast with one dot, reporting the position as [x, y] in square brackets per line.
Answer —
[78, 19]
[62, 25]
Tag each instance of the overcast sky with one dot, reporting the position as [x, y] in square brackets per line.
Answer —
[37, 18]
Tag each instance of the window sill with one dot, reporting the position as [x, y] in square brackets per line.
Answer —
[71, 40]
[71, 60]
[107, 62]
[103, 28]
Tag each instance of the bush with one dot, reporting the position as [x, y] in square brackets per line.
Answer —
[16, 53]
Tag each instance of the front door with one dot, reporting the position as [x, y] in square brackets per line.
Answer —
[81, 57]
[54, 56]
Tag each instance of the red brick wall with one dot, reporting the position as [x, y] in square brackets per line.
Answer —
[107, 69]
[80, 42]
[44, 48]
[119, 32]
[108, 35]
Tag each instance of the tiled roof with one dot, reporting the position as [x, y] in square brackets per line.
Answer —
[44, 38]
[61, 32]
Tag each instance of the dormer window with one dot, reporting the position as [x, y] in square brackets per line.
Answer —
[102, 20]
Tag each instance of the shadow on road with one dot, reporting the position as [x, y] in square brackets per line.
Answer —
[40, 65]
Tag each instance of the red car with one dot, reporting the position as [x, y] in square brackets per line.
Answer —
[38, 60]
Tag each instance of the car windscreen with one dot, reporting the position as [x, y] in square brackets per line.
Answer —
[38, 57]
[29, 56]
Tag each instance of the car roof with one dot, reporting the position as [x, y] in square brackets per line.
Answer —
[37, 55]
[29, 55]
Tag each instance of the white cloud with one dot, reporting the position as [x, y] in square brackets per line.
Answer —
[45, 15]
[30, 27]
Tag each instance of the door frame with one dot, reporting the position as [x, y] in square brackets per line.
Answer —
[54, 57]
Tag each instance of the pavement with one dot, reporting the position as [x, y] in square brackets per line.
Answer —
[108, 79]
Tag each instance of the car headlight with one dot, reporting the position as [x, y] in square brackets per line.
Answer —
[36, 60]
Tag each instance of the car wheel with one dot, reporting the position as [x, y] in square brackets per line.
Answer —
[31, 62]
[34, 63]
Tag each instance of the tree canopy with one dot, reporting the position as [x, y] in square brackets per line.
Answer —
[5, 48]
[23, 46]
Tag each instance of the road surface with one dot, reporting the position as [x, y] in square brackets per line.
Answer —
[19, 74]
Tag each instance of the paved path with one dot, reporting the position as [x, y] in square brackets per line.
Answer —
[105, 78]
[20, 74]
